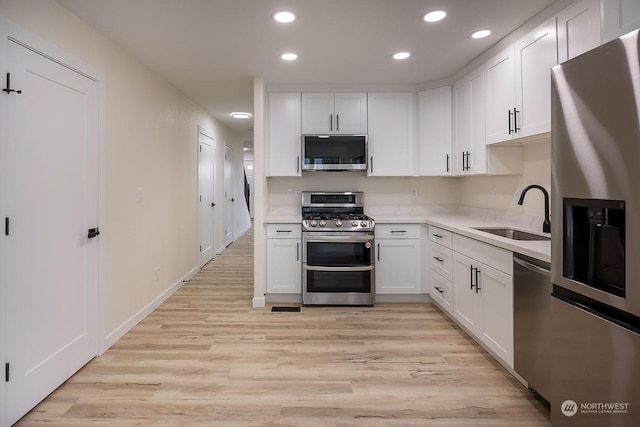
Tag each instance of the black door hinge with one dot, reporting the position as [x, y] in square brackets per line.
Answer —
[6, 226]
[6, 372]
[8, 88]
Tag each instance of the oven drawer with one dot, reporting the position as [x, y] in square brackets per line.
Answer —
[284, 231]
[397, 231]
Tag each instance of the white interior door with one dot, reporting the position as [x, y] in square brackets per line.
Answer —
[228, 195]
[206, 196]
[52, 201]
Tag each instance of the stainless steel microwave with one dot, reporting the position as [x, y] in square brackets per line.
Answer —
[334, 152]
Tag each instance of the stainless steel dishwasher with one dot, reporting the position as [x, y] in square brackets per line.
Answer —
[532, 322]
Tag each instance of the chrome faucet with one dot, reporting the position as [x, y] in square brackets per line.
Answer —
[546, 225]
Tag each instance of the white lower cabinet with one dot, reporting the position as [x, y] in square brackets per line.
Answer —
[483, 294]
[398, 268]
[284, 259]
[473, 282]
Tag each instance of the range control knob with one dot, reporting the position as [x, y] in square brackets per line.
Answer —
[363, 223]
[338, 223]
[322, 223]
[313, 223]
[354, 223]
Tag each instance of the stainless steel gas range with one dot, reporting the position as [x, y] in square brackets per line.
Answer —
[338, 260]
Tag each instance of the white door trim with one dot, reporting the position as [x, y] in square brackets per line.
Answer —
[208, 135]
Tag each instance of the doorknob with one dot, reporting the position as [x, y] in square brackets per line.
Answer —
[93, 232]
[213, 204]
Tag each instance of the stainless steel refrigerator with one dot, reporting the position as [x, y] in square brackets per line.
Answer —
[595, 304]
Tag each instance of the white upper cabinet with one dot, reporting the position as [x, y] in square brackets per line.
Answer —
[434, 132]
[536, 53]
[578, 29]
[334, 113]
[518, 82]
[619, 17]
[283, 134]
[469, 149]
[391, 134]
[501, 96]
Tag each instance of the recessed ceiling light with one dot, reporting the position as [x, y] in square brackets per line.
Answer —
[289, 56]
[480, 34]
[435, 16]
[401, 55]
[284, 17]
[241, 115]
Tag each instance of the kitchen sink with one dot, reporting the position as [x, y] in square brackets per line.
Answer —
[511, 233]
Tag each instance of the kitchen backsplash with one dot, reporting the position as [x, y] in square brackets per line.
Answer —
[489, 194]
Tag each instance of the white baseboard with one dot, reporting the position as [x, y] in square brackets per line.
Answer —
[403, 298]
[285, 298]
[112, 337]
[259, 302]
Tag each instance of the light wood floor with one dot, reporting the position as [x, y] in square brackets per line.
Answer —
[206, 358]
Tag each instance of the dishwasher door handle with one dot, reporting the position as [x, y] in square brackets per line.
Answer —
[532, 267]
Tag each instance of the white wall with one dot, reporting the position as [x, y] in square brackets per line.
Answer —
[498, 192]
[151, 133]
[378, 191]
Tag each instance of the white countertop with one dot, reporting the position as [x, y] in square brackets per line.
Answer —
[462, 224]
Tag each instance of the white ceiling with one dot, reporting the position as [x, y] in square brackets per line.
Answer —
[212, 49]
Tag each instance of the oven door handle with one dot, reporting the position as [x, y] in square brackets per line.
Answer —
[333, 239]
[317, 268]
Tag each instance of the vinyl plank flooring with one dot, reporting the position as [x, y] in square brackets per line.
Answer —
[207, 358]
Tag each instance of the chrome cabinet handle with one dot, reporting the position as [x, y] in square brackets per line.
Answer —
[378, 251]
[337, 122]
[515, 121]
[371, 164]
[331, 122]
[284, 231]
[398, 231]
[298, 251]
[509, 119]
[477, 280]
[297, 164]
[447, 163]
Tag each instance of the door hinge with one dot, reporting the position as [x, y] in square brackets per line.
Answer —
[6, 372]
[6, 226]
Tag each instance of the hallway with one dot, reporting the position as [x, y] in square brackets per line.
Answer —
[206, 358]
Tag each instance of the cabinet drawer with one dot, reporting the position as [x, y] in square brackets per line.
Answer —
[441, 290]
[284, 231]
[440, 236]
[440, 260]
[498, 258]
[397, 231]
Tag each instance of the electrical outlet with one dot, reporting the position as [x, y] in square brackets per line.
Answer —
[139, 194]
[289, 193]
[156, 274]
[491, 196]
[414, 192]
